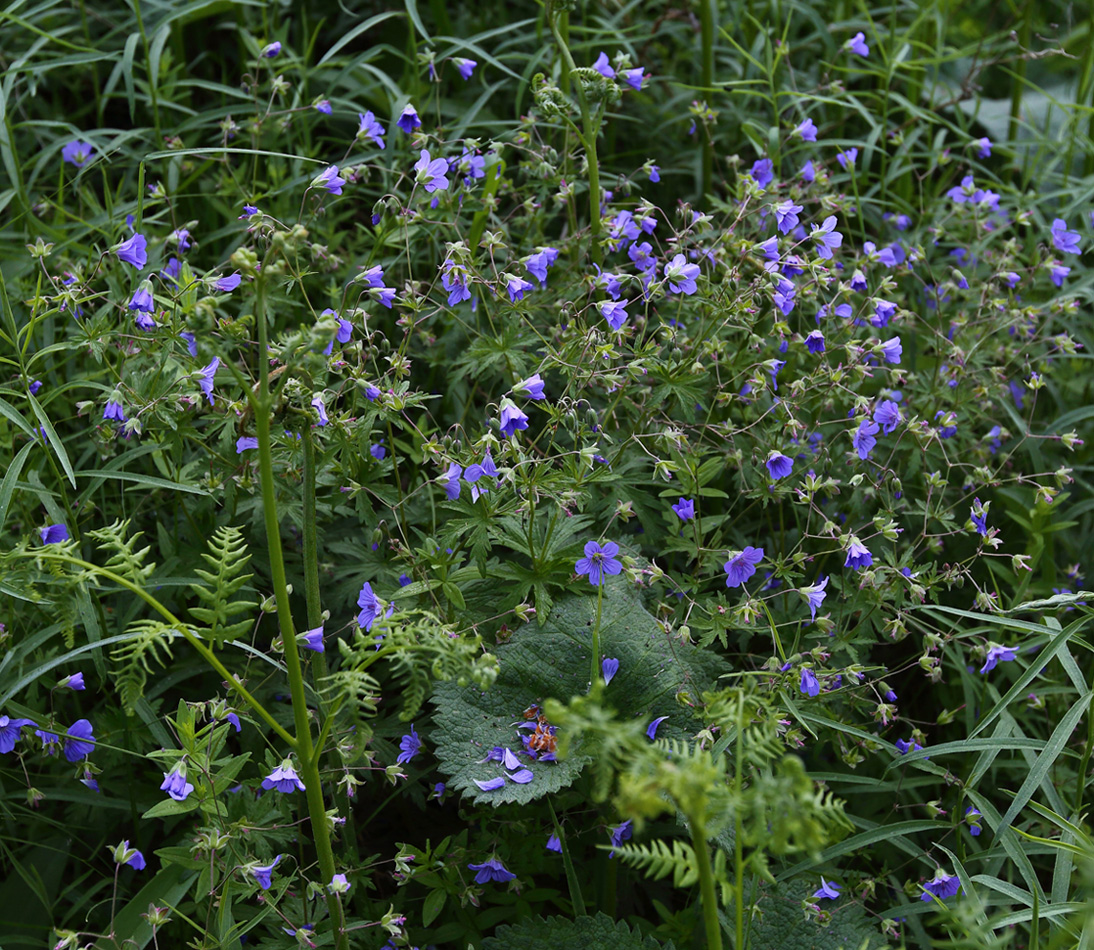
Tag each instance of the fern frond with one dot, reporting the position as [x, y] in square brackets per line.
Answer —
[228, 558]
[658, 860]
[355, 691]
[124, 559]
[151, 644]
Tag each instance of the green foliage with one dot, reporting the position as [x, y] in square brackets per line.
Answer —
[228, 559]
[124, 559]
[778, 922]
[562, 933]
[136, 659]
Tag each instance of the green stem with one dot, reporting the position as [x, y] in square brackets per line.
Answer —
[152, 80]
[317, 811]
[706, 885]
[738, 834]
[594, 670]
[311, 557]
[1018, 82]
[707, 26]
[567, 862]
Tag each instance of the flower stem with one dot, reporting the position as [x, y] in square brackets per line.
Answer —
[567, 862]
[594, 668]
[706, 886]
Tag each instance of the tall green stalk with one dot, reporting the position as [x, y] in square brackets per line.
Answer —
[309, 771]
[707, 28]
[1018, 81]
[706, 886]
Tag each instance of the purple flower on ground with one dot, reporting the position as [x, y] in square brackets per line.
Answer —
[491, 784]
[511, 418]
[408, 121]
[599, 561]
[864, 438]
[77, 153]
[491, 870]
[523, 777]
[786, 216]
[809, 684]
[609, 666]
[465, 67]
[410, 745]
[826, 237]
[369, 127]
[133, 251]
[175, 784]
[858, 556]
[779, 465]
[206, 376]
[651, 730]
[857, 44]
[431, 172]
[814, 595]
[685, 509]
[313, 639]
[1065, 241]
[530, 388]
[9, 732]
[942, 885]
[262, 874]
[997, 654]
[82, 742]
[742, 565]
[284, 779]
[329, 179]
[603, 67]
[807, 131]
[828, 889]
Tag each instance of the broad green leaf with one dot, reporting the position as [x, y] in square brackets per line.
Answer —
[562, 933]
[781, 924]
[553, 661]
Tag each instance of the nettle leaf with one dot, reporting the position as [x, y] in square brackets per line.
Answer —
[562, 933]
[781, 923]
[552, 662]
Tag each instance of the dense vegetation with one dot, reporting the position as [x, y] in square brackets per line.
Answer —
[607, 475]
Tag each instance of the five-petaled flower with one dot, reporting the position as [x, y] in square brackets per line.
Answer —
[619, 833]
[599, 561]
[284, 779]
[814, 595]
[1065, 241]
[612, 311]
[431, 172]
[809, 683]
[858, 555]
[133, 251]
[370, 607]
[53, 534]
[826, 237]
[329, 179]
[81, 741]
[369, 127]
[942, 885]
[77, 153]
[530, 388]
[511, 418]
[742, 565]
[828, 889]
[206, 376]
[313, 639]
[685, 509]
[997, 654]
[857, 44]
[680, 275]
[9, 732]
[175, 784]
[408, 120]
[465, 67]
[262, 874]
[779, 465]
[410, 745]
[491, 870]
[807, 130]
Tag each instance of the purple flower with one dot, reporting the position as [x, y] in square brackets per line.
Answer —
[887, 415]
[77, 153]
[634, 77]
[618, 834]
[368, 127]
[245, 442]
[904, 747]
[807, 173]
[681, 275]
[136, 859]
[113, 410]
[262, 874]
[9, 732]
[320, 407]
[465, 67]
[491, 870]
[779, 465]
[323, 105]
[53, 534]
[175, 784]
[815, 342]
[134, 251]
[1065, 241]
[971, 816]
[523, 777]
[370, 608]
[530, 388]
[228, 283]
[942, 885]
[553, 844]
[603, 67]
[807, 130]
[857, 44]
[613, 312]
[809, 684]
[998, 654]
[206, 376]
[491, 784]
[826, 237]
[651, 730]
[984, 147]
[511, 419]
[828, 889]
[892, 350]
[1057, 272]
[655, 173]
[814, 596]
[609, 666]
[599, 561]
[432, 172]
[978, 514]
[742, 565]
[408, 121]
[763, 172]
[284, 779]
[410, 745]
[858, 556]
[73, 682]
[786, 216]
[863, 439]
[82, 740]
[847, 159]
[538, 263]
[270, 50]
[685, 509]
[329, 179]
[249, 211]
[486, 467]
[313, 639]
